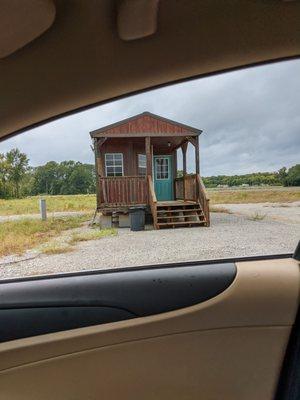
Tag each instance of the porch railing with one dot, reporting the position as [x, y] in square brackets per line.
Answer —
[123, 190]
[185, 188]
[191, 188]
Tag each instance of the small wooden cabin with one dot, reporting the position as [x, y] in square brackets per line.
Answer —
[136, 164]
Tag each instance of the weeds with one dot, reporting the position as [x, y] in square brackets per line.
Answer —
[257, 217]
[56, 248]
[92, 235]
[19, 236]
[215, 209]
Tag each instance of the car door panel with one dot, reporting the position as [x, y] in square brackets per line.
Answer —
[229, 346]
[33, 307]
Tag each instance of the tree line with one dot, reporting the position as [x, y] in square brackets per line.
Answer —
[19, 179]
[283, 177]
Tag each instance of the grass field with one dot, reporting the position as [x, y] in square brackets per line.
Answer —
[243, 196]
[18, 236]
[30, 205]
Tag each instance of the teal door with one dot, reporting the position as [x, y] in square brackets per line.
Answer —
[163, 177]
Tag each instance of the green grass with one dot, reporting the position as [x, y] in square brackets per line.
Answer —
[227, 196]
[18, 236]
[30, 205]
[257, 217]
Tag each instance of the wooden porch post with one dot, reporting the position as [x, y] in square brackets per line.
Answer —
[174, 154]
[197, 161]
[96, 151]
[148, 155]
[184, 148]
[195, 143]
[99, 169]
[197, 155]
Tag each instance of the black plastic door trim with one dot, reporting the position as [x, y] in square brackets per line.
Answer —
[97, 298]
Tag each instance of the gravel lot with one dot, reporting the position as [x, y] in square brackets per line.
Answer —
[230, 235]
[287, 212]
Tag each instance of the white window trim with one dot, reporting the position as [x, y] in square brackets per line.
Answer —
[109, 154]
[155, 170]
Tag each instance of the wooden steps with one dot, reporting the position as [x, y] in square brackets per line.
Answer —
[162, 211]
[196, 217]
[182, 224]
[179, 214]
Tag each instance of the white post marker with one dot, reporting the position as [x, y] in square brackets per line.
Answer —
[43, 209]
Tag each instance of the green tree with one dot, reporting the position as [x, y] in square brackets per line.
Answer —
[282, 175]
[4, 174]
[80, 180]
[47, 179]
[26, 187]
[67, 177]
[17, 167]
[293, 176]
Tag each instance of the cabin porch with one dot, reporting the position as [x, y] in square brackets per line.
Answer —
[190, 206]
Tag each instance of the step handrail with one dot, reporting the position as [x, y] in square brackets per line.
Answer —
[152, 200]
[203, 198]
[151, 189]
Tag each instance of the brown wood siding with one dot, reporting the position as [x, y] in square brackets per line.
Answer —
[146, 124]
[129, 149]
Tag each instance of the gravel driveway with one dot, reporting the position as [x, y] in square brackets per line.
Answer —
[288, 212]
[230, 235]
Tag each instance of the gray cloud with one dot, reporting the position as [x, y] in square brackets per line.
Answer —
[250, 119]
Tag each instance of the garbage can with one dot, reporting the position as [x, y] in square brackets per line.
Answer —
[137, 218]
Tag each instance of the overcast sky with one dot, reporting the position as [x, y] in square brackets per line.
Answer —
[250, 121]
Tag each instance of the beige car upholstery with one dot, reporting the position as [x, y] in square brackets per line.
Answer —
[23, 21]
[82, 60]
[137, 18]
[229, 347]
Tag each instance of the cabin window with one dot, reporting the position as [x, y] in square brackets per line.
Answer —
[114, 164]
[142, 164]
[162, 168]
